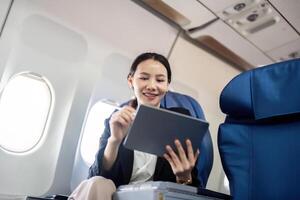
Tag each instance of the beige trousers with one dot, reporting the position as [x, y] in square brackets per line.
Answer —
[95, 188]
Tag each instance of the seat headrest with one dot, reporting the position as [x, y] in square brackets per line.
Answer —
[174, 99]
[264, 92]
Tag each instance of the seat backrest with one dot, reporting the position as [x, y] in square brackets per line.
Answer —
[259, 140]
[204, 165]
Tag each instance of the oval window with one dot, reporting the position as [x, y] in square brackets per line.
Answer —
[93, 130]
[24, 108]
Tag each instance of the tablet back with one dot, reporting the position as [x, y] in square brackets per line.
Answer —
[154, 128]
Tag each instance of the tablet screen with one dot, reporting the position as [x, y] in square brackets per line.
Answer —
[154, 128]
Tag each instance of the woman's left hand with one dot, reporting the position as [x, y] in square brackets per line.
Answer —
[183, 162]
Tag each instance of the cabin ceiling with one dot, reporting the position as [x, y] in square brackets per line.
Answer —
[248, 33]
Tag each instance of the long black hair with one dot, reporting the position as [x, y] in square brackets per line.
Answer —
[154, 56]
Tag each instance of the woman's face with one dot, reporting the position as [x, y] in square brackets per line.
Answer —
[149, 82]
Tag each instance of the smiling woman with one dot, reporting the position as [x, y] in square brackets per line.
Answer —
[149, 78]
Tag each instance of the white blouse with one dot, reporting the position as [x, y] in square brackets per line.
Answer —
[143, 167]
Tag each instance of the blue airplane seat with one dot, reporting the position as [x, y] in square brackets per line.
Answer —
[204, 164]
[259, 140]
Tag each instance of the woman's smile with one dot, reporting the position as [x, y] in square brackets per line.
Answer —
[150, 97]
[150, 82]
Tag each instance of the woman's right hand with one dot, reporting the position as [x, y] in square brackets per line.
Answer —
[119, 123]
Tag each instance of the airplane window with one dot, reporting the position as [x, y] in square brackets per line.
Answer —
[24, 108]
[93, 129]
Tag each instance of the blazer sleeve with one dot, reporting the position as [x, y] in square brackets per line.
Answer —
[120, 172]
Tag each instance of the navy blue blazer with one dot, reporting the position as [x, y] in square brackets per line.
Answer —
[121, 171]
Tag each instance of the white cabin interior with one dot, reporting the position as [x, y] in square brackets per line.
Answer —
[83, 50]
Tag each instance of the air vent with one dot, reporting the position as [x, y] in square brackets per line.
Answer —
[237, 8]
[261, 26]
[252, 17]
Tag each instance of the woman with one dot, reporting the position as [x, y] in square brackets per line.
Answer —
[149, 78]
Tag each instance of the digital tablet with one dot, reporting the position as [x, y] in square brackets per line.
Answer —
[154, 128]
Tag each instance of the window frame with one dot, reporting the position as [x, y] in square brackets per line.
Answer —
[113, 106]
[43, 134]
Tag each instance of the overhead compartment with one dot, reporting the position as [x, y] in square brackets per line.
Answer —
[290, 10]
[248, 33]
[262, 24]
[221, 38]
[288, 51]
[188, 14]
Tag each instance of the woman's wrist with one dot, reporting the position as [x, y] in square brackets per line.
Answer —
[110, 153]
[113, 141]
[184, 180]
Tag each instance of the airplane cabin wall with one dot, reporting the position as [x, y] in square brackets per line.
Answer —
[71, 43]
[4, 9]
[84, 49]
[36, 43]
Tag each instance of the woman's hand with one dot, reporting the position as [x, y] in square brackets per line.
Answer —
[119, 123]
[182, 163]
